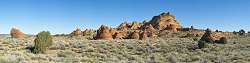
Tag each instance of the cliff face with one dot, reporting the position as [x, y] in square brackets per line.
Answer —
[165, 21]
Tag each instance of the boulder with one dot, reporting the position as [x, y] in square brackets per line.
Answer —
[16, 33]
[103, 33]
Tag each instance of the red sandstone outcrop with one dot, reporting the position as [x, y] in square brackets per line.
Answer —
[124, 26]
[165, 21]
[16, 33]
[209, 36]
[135, 26]
[150, 29]
[88, 32]
[77, 32]
[144, 35]
[119, 35]
[113, 31]
[104, 33]
[135, 35]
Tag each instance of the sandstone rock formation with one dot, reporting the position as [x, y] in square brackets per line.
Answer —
[104, 33]
[76, 32]
[135, 26]
[135, 35]
[119, 35]
[113, 31]
[223, 40]
[88, 32]
[165, 21]
[144, 35]
[150, 29]
[207, 37]
[16, 33]
[124, 26]
[211, 37]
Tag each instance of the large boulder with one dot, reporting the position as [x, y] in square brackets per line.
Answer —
[165, 21]
[16, 33]
[103, 33]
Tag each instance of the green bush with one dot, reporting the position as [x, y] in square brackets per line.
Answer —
[42, 42]
[202, 44]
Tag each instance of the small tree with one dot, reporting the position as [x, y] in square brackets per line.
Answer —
[42, 42]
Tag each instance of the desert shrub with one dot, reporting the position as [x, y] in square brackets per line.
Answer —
[195, 39]
[202, 44]
[42, 42]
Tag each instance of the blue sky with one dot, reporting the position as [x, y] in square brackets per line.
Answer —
[63, 16]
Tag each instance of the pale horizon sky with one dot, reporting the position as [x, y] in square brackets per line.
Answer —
[63, 16]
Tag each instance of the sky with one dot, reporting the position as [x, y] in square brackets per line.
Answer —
[63, 16]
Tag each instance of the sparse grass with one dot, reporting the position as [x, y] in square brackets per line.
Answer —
[180, 50]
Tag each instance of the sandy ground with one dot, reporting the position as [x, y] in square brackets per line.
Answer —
[162, 50]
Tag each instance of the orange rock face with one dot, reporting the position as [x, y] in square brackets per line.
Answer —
[88, 32]
[77, 32]
[135, 26]
[135, 35]
[173, 27]
[144, 36]
[119, 35]
[165, 21]
[16, 33]
[150, 29]
[207, 36]
[104, 33]
[113, 31]
[124, 26]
